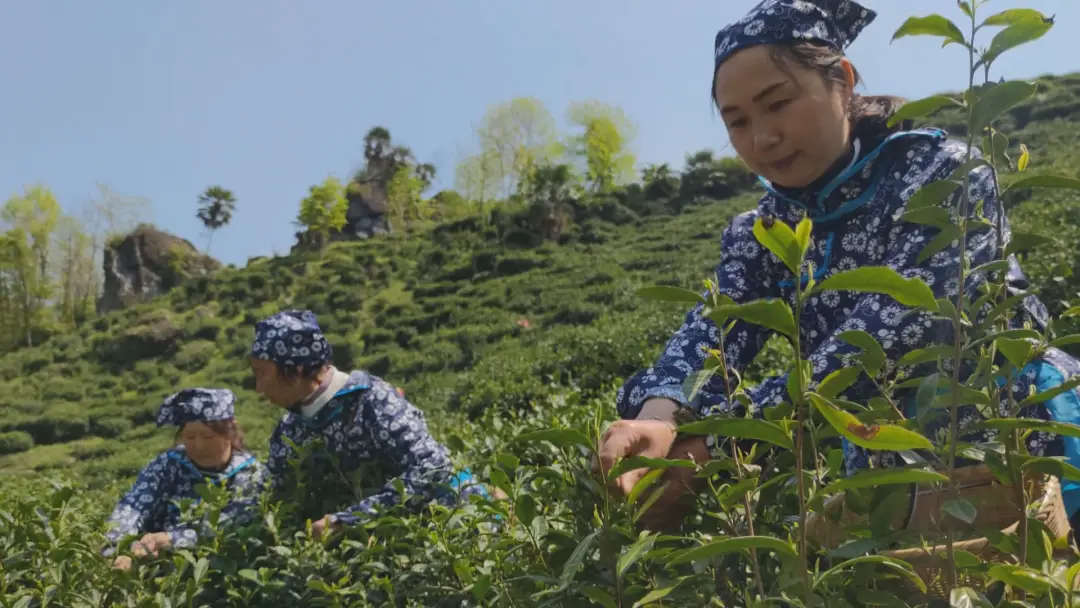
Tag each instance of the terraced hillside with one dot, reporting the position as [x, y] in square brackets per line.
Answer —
[471, 317]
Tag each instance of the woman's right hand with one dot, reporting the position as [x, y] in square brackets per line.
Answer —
[122, 563]
[627, 438]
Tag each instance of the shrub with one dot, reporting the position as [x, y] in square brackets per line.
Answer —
[13, 442]
[195, 355]
[111, 426]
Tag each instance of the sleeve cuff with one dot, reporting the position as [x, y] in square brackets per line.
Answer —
[673, 392]
[183, 538]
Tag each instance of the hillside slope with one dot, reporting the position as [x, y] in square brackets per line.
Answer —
[467, 318]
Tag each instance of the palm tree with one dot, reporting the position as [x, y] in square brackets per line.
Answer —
[216, 207]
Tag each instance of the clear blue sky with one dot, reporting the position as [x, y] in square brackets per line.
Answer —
[266, 97]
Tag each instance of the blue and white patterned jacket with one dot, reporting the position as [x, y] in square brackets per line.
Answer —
[857, 222]
[368, 421]
[152, 503]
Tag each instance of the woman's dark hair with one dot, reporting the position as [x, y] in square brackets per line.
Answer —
[303, 373]
[825, 60]
[223, 428]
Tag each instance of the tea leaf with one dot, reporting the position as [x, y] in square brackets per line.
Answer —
[600, 596]
[656, 594]
[730, 545]
[882, 279]
[1025, 159]
[870, 436]
[873, 356]
[1049, 466]
[966, 597]
[1005, 425]
[1013, 16]
[899, 566]
[961, 509]
[562, 438]
[931, 25]
[634, 553]
[873, 478]
[945, 239]
[644, 462]
[525, 508]
[922, 107]
[926, 355]
[643, 484]
[802, 235]
[696, 381]
[780, 239]
[772, 314]
[741, 428]
[997, 100]
[1066, 341]
[1018, 352]
[839, 381]
[1023, 241]
[1020, 577]
[1018, 33]
[1044, 181]
[577, 558]
[932, 194]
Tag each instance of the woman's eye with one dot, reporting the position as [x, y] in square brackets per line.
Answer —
[738, 123]
[778, 105]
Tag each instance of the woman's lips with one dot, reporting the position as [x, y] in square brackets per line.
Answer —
[784, 163]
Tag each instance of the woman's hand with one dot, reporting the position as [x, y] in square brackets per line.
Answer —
[655, 438]
[151, 544]
[122, 563]
[679, 487]
[627, 438]
[322, 527]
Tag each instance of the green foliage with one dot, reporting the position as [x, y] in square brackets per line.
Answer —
[324, 209]
[216, 208]
[13, 442]
[408, 208]
[512, 138]
[603, 143]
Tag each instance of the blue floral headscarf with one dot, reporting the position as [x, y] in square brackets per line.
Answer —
[835, 23]
[197, 405]
[293, 339]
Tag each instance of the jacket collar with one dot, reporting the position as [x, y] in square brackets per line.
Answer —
[850, 183]
[240, 460]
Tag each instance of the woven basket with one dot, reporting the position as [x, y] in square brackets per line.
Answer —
[996, 506]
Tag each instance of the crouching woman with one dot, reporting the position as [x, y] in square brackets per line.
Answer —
[365, 446]
[209, 450]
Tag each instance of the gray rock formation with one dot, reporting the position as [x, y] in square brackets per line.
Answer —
[148, 263]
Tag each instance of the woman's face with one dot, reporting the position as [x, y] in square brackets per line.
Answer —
[204, 447]
[275, 387]
[787, 127]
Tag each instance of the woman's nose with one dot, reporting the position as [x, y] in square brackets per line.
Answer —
[766, 139]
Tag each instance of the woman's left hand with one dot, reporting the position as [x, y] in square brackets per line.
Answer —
[679, 486]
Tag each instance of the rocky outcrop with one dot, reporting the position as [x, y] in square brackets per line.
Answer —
[147, 263]
[366, 216]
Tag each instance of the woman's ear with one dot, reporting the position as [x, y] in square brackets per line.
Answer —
[849, 75]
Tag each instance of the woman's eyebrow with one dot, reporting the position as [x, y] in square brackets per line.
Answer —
[757, 97]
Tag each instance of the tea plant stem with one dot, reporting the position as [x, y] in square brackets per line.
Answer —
[747, 508]
[800, 432]
[1012, 441]
[1013, 446]
[958, 326]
